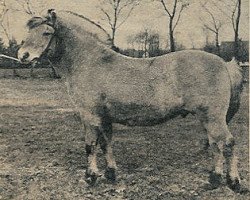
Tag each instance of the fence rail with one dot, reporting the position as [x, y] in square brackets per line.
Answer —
[22, 66]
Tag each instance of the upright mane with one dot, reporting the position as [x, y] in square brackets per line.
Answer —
[89, 26]
[89, 20]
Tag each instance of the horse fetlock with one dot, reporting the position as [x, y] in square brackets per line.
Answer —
[91, 152]
[205, 144]
[89, 149]
[111, 162]
[110, 174]
[91, 176]
[215, 179]
[230, 142]
[234, 183]
[228, 151]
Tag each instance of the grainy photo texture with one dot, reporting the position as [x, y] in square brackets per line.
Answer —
[124, 99]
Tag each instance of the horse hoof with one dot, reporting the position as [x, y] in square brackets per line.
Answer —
[234, 184]
[205, 144]
[110, 175]
[91, 177]
[215, 180]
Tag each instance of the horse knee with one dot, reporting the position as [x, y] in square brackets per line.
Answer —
[103, 144]
[218, 132]
[229, 147]
[89, 149]
[105, 136]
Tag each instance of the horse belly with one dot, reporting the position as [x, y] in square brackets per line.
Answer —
[142, 115]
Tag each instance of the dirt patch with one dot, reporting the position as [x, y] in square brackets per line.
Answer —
[42, 151]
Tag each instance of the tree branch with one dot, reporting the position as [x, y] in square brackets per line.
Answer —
[126, 4]
[210, 29]
[174, 8]
[233, 15]
[130, 11]
[27, 9]
[217, 24]
[165, 8]
[4, 12]
[178, 19]
[108, 17]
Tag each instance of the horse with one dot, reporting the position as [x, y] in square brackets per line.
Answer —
[107, 87]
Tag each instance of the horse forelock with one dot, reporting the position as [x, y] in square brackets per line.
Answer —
[35, 22]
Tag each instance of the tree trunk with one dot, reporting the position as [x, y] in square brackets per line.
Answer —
[236, 32]
[171, 36]
[113, 38]
[217, 43]
[145, 45]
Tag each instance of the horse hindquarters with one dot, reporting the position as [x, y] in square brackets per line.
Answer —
[236, 78]
[215, 119]
[222, 145]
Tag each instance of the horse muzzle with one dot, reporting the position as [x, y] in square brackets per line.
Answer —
[27, 58]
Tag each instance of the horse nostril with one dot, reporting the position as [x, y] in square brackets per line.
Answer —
[25, 56]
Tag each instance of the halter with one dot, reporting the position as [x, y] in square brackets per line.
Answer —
[53, 38]
[44, 56]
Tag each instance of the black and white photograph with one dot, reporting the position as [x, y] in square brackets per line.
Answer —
[124, 100]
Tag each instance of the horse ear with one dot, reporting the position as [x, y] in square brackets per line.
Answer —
[51, 16]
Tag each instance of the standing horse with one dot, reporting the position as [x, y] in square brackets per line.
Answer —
[108, 88]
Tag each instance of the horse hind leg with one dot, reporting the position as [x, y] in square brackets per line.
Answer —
[222, 144]
[233, 178]
[232, 110]
[105, 141]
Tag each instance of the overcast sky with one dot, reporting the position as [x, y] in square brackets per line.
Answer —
[147, 15]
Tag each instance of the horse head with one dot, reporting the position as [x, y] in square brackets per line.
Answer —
[40, 39]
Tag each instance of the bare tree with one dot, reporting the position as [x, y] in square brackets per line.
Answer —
[192, 40]
[116, 12]
[206, 34]
[148, 42]
[173, 10]
[131, 41]
[234, 7]
[26, 6]
[4, 19]
[17, 5]
[212, 23]
[235, 18]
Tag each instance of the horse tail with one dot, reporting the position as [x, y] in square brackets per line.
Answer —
[236, 79]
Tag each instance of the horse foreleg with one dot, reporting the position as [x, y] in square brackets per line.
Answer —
[92, 172]
[105, 141]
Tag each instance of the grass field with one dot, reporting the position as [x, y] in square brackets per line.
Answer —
[42, 151]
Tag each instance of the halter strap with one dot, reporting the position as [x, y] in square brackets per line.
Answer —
[55, 38]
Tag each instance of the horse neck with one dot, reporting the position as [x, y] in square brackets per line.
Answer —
[78, 44]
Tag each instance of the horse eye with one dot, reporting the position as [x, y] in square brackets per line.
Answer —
[47, 34]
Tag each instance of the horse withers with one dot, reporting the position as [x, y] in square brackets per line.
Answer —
[107, 87]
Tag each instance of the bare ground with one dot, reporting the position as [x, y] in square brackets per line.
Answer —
[42, 151]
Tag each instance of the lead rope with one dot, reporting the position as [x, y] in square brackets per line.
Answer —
[55, 74]
[9, 57]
